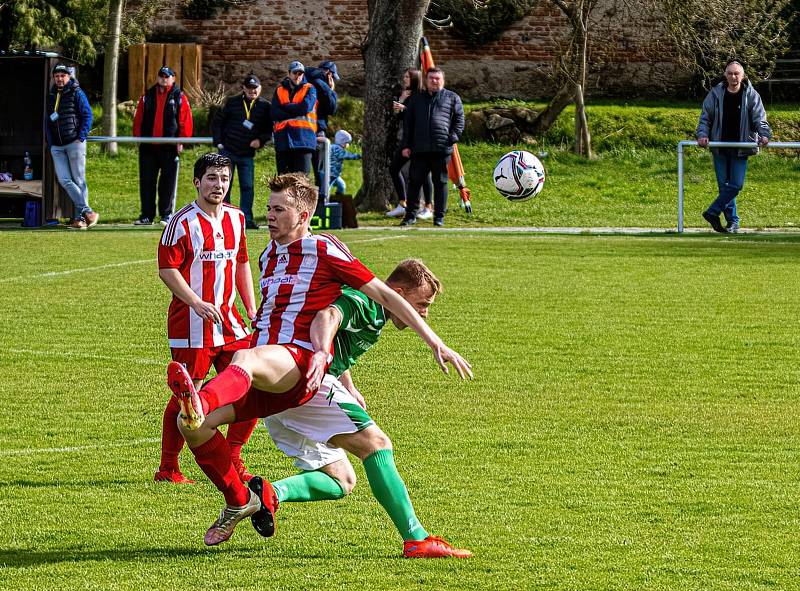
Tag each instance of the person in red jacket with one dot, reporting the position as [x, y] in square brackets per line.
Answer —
[163, 111]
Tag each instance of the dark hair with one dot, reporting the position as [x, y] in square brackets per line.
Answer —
[435, 70]
[415, 79]
[298, 188]
[210, 160]
[413, 273]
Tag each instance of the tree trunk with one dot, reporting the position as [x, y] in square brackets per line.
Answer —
[395, 28]
[583, 140]
[110, 70]
[549, 115]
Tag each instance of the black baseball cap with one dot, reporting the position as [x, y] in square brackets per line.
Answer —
[251, 81]
[166, 71]
[61, 69]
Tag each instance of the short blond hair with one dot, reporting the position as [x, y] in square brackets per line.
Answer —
[298, 188]
[413, 273]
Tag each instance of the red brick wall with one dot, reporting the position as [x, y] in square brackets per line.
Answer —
[264, 37]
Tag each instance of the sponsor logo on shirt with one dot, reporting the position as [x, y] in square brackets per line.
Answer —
[283, 280]
[216, 255]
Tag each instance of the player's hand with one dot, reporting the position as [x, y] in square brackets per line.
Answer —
[702, 142]
[359, 398]
[316, 370]
[207, 311]
[444, 355]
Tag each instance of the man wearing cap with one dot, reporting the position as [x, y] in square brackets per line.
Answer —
[163, 111]
[294, 116]
[69, 119]
[324, 80]
[242, 126]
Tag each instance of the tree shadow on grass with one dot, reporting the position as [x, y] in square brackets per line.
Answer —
[24, 558]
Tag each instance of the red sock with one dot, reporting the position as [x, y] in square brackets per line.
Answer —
[239, 434]
[214, 458]
[171, 438]
[230, 385]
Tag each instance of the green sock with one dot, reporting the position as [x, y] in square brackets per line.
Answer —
[308, 486]
[390, 490]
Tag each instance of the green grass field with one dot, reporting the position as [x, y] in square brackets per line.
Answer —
[632, 423]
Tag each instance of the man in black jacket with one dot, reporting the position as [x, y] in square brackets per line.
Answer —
[243, 126]
[433, 122]
[324, 80]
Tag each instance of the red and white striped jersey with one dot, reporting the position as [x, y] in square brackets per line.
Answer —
[206, 251]
[300, 279]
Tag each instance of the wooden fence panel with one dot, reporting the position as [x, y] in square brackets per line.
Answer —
[191, 81]
[136, 69]
[155, 59]
[172, 58]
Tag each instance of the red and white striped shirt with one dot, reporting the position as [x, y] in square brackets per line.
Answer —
[300, 279]
[206, 251]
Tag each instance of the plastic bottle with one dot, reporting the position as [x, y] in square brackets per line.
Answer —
[28, 173]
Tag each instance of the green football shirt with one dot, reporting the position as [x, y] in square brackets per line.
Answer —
[362, 322]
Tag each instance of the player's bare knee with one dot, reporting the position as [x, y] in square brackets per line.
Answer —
[379, 440]
[342, 471]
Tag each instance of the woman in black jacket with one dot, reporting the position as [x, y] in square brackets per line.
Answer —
[412, 83]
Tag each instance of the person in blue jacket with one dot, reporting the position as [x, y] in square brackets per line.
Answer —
[324, 80]
[69, 119]
[294, 116]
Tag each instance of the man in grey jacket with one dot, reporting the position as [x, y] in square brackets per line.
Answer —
[732, 112]
[432, 123]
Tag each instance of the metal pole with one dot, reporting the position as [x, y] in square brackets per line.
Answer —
[680, 187]
[105, 139]
[326, 168]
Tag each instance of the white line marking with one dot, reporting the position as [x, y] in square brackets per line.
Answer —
[376, 239]
[72, 271]
[78, 448]
[78, 355]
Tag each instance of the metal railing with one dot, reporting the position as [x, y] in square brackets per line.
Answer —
[790, 145]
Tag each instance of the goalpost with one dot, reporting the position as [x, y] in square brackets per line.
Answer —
[790, 145]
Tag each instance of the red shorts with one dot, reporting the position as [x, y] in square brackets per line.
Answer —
[199, 361]
[257, 404]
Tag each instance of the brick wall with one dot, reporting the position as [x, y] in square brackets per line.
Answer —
[265, 36]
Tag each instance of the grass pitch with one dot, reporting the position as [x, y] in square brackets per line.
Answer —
[632, 424]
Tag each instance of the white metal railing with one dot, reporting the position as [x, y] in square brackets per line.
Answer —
[790, 145]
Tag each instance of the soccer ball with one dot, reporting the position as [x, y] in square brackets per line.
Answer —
[519, 175]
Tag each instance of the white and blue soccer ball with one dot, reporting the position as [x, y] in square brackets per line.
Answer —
[519, 175]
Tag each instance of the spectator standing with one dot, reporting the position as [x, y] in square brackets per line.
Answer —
[433, 122]
[243, 126]
[732, 112]
[294, 116]
[69, 119]
[398, 169]
[339, 154]
[163, 111]
[324, 80]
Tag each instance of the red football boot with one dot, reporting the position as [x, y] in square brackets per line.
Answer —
[432, 547]
[264, 520]
[180, 382]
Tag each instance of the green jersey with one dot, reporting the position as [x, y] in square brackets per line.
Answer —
[362, 322]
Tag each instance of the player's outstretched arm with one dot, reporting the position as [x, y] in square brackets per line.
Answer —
[178, 286]
[323, 329]
[378, 291]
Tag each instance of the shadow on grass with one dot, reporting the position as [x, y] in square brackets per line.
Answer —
[24, 557]
[71, 483]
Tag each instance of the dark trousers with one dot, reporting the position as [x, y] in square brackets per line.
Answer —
[435, 164]
[246, 171]
[155, 159]
[399, 179]
[293, 161]
[317, 161]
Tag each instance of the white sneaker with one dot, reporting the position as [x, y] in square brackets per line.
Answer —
[424, 214]
[222, 528]
[396, 212]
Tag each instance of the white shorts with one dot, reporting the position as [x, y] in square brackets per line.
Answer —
[302, 432]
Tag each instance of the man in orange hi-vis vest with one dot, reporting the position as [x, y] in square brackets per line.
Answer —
[294, 113]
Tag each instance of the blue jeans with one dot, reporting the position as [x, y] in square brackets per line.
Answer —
[339, 184]
[730, 170]
[246, 169]
[70, 165]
